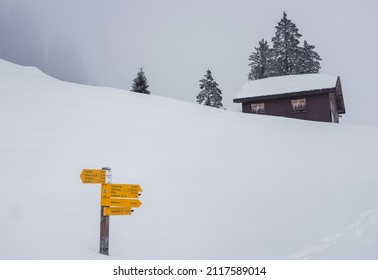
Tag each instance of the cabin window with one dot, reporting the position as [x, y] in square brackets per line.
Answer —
[258, 108]
[298, 105]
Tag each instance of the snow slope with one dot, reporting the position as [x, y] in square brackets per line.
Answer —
[216, 184]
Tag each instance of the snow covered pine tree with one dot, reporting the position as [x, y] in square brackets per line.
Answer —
[261, 64]
[309, 60]
[286, 49]
[140, 83]
[210, 94]
[286, 57]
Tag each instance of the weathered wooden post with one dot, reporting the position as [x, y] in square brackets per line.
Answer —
[104, 222]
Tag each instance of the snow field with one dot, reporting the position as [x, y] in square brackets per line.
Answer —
[216, 184]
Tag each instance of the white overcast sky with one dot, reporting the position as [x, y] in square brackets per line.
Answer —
[104, 42]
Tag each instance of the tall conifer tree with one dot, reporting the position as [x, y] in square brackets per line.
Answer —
[309, 59]
[261, 62]
[286, 49]
[286, 57]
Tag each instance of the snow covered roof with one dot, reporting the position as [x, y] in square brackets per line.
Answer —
[286, 84]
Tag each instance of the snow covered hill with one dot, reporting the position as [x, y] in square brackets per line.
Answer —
[216, 184]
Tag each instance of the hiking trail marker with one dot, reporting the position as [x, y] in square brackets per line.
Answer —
[93, 176]
[116, 199]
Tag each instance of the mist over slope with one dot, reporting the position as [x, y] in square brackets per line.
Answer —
[216, 184]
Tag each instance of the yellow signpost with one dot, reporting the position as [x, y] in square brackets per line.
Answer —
[120, 190]
[124, 187]
[135, 203]
[110, 211]
[93, 176]
[116, 199]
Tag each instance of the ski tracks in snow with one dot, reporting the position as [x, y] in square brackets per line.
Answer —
[362, 225]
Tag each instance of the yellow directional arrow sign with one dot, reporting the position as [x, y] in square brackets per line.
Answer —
[124, 187]
[93, 176]
[109, 190]
[120, 202]
[109, 211]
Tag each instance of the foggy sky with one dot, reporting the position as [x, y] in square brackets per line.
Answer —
[104, 43]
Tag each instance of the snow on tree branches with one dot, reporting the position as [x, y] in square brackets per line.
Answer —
[309, 59]
[260, 62]
[286, 50]
[140, 83]
[286, 57]
[210, 94]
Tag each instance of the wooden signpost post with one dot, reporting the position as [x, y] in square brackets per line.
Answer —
[104, 222]
[116, 199]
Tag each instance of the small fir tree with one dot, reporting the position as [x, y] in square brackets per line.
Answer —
[286, 49]
[309, 60]
[140, 83]
[261, 62]
[210, 94]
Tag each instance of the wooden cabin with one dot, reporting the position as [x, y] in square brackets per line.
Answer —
[316, 97]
